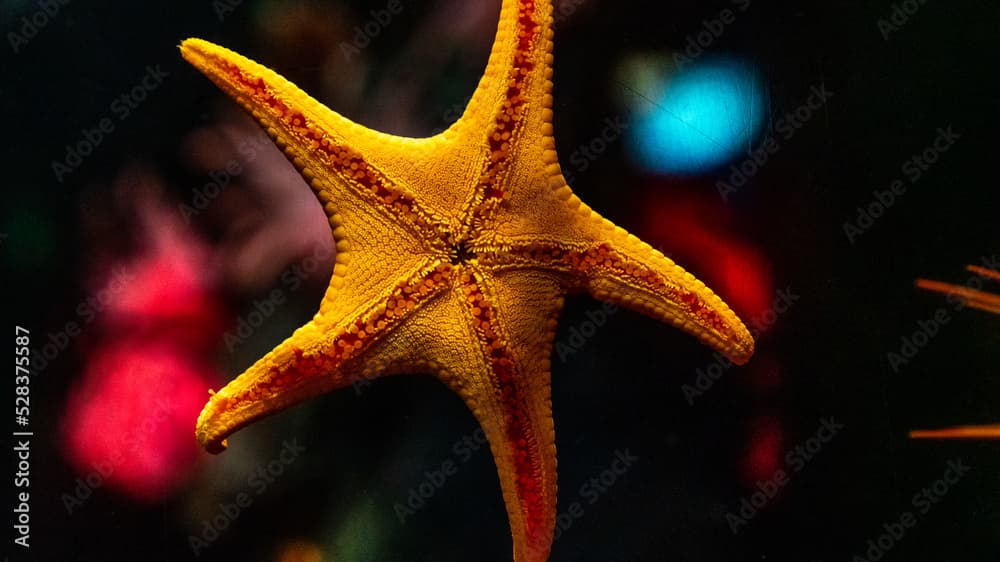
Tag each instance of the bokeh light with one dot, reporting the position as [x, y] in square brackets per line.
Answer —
[129, 419]
[736, 270]
[128, 425]
[689, 120]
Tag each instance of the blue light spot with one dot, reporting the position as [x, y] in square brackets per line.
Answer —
[707, 114]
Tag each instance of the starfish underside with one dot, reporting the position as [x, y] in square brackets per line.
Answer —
[975, 299]
[454, 254]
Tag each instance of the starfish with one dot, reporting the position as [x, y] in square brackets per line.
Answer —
[975, 299]
[454, 255]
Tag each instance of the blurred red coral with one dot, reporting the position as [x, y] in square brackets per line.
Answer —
[132, 417]
[132, 414]
[697, 229]
[693, 229]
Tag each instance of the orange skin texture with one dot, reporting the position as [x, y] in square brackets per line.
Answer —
[454, 255]
[974, 299]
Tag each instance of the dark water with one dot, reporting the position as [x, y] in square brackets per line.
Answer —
[857, 359]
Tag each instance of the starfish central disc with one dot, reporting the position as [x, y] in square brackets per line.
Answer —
[461, 253]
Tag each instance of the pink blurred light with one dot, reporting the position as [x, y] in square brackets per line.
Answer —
[132, 417]
[165, 291]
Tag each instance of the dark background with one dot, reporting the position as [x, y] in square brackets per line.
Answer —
[623, 389]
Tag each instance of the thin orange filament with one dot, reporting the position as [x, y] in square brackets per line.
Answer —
[976, 299]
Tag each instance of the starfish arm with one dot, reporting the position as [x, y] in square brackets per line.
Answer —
[368, 212]
[626, 271]
[514, 315]
[554, 229]
[519, 70]
[328, 353]
[505, 133]
[623, 270]
[347, 164]
[508, 322]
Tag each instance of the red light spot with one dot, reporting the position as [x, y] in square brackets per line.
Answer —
[736, 270]
[763, 457]
[130, 421]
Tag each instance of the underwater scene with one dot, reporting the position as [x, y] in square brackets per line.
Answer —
[494, 280]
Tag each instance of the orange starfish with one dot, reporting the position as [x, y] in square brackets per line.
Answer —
[454, 253]
[975, 299]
